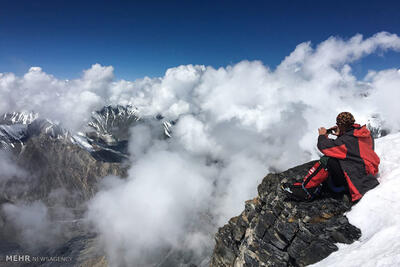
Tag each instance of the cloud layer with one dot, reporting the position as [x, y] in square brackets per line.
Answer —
[233, 125]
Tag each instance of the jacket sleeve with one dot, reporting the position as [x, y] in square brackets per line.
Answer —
[334, 148]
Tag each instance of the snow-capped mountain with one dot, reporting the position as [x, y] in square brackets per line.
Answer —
[17, 127]
[19, 117]
[109, 131]
[111, 124]
[106, 136]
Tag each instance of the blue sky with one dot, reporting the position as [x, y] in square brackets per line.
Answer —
[142, 38]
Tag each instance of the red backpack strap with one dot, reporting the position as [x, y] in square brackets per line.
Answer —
[315, 176]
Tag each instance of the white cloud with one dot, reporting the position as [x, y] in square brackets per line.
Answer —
[32, 226]
[9, 170]
[69, 102]
[153, 208]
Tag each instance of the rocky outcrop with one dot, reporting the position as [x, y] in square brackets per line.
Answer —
[273, 231]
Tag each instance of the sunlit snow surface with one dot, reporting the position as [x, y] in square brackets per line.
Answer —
[377, 215]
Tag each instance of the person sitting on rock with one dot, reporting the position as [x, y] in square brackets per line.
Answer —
[349, 163]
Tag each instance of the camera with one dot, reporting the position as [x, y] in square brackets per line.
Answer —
[331, 130]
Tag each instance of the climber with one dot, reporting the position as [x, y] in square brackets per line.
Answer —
[349, 163]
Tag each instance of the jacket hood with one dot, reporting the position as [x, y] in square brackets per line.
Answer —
[361, 131]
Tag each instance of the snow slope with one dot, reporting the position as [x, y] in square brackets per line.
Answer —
[377, 215]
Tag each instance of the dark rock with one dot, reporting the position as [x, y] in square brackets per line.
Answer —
[250, 261]
[275, 239]
[239, 229]
[265, 220]
[280, 232]
[317, 250]
[286, 229]
[225, 246]
[273, 252]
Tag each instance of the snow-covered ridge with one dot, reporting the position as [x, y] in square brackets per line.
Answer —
[114, 121]
[12, 134]
[19, 117]
[106, 139]
[377, 215]
[17, 127]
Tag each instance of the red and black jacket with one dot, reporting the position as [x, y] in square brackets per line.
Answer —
[359, 162]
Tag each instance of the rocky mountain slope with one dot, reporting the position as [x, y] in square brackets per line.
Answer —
[56, 171]
[273, 231]
[51, 158]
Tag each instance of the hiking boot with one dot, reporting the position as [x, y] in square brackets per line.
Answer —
[297, 192]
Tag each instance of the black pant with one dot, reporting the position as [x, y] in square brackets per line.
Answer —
[336, 180]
